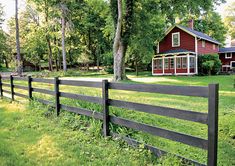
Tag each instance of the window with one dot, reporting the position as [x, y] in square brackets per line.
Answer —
[172, 64]
[178, 62]
[166, 63]
[203, 43]
[228, 55]
[176, 39]
[192, 62]
[213, 46]
[233, 64]
[184, 62]
[157, 64]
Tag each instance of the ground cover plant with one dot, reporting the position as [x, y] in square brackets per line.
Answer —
[226, 112]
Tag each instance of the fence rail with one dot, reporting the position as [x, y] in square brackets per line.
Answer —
[210, 119]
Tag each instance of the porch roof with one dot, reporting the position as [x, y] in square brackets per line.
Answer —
[175, 52]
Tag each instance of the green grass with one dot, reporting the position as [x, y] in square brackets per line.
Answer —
[226, 112]
[32, 135]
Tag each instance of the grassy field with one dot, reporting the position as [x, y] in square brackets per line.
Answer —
[226, 115]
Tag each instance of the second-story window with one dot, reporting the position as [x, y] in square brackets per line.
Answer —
[213, 46]
[228, 55]
[203, 43]
[176, 39]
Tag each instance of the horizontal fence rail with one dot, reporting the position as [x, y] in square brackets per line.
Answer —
[81, 83]
[163, 89]
[210, 119]
[164, 111]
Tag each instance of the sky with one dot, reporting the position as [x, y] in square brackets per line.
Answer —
[9, 10]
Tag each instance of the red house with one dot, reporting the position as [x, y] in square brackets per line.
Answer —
[227, 57]
[178, 51]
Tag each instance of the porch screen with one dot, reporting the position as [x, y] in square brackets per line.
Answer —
[157, 63]
[172, 64]
[184, 62]
[178, 60]
[192, 62]
[166, 65]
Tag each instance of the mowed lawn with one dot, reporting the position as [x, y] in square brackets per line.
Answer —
[226, 149]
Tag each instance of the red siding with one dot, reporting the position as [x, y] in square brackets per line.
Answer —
[208, 49]
[226, 61]
[157, 71]
[187, 41]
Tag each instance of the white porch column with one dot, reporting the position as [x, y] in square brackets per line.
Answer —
[196, 64]
[163, 65]
[188, 64]
[152, 65]
[175, 63]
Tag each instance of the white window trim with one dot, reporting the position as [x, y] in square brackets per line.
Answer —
[203, 43]
[228, 57]
[213, 46]
[172, 40]
[231, 64]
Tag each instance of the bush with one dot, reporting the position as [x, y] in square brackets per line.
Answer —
[109, 69]
[209, 64]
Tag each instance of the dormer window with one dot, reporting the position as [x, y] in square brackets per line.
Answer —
[176, 39]
[203, 43]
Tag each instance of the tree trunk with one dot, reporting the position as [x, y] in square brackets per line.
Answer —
[118, 48]
[50, 64]
[136, 67]
[19, 65]
[6, 62]
[63, 37]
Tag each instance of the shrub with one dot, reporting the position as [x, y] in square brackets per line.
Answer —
[109, 69]
[209, 64]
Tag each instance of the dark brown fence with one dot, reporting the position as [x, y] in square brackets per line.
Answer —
[210, 119]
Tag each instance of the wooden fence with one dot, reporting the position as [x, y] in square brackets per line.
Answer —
[210, 119]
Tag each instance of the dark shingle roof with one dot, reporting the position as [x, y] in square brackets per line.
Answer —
[199, 34]
[228, 49]
[175, 51]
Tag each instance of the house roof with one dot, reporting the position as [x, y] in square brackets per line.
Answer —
[200, 34]
[228, 49]
[194, 33]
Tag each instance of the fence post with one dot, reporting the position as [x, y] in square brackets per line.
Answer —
[212, 124]
[57, 96]
[30, 87]
[105, 96]
[12, 88]
[1, 86]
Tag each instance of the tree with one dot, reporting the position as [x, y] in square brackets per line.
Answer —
[122, 35]
[229, 19]
[124, 23]
[64, 11]
[19, 64]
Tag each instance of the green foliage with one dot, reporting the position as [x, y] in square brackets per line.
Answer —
[209, 64]
[229, 19]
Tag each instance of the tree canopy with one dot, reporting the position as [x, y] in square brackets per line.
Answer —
[55, 33]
